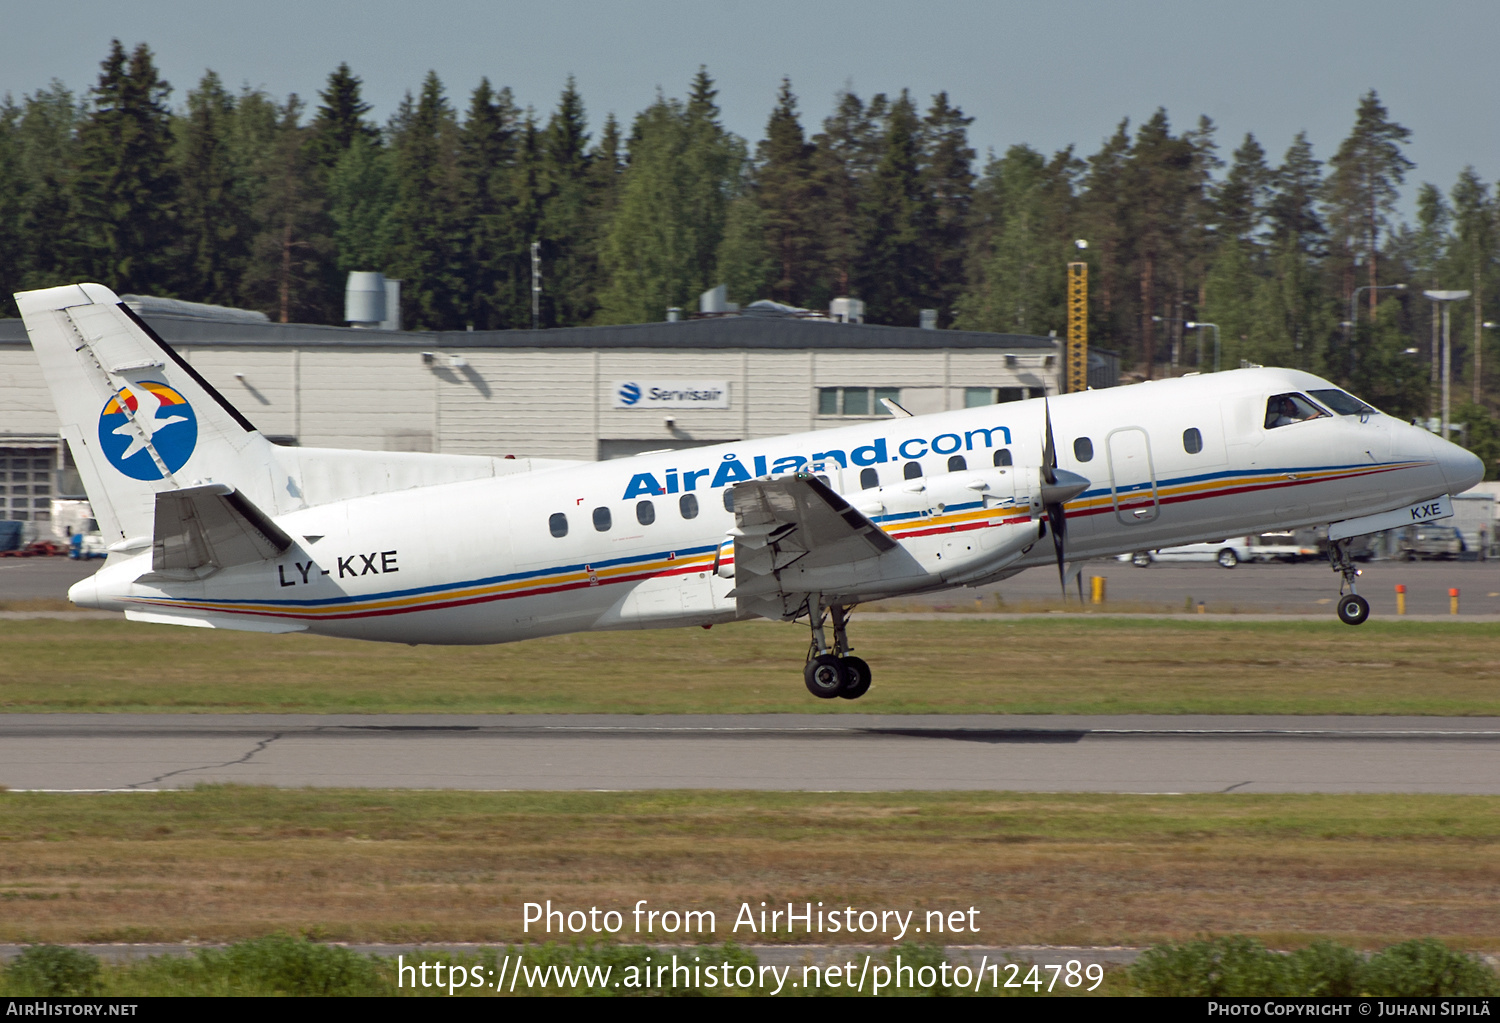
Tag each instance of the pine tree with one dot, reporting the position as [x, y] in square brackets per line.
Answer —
[13, 267]
[214, 220]
[606, 169]
[127, 185]
[786, 200]
[1293, 322]
[361, 204]
[647, 251]
[846, 152]
[1016, 284]
[1431, 241]
[569, 252]
[430, 253]
[486, 159]
[894, 272]
[1101, 212]
[747, 267]
[1161, 176]
[39, 194]
[948, 166]
[662, 245]
[290, 252]
[1363, 186]
[1240, 202]
[1472, 261]
[340, 120]
[715, 163]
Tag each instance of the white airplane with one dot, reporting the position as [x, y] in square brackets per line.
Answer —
[209, 524]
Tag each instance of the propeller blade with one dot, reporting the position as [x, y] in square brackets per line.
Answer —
[1049, 449]
[1059, 523]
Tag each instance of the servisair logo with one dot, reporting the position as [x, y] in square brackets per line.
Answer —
[162, 418]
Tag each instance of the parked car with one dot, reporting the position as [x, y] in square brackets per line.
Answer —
[1230, 552]
[1227, 553]
[1432, 542]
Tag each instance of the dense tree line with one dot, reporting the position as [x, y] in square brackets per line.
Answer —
[241, 199]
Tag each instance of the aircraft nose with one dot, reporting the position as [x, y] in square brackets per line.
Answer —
[1461, 467]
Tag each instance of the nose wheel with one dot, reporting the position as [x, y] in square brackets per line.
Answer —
[1353, 609]
[831, 671]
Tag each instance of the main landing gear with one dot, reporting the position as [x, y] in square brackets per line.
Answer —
[833, 673]
[1353, 609]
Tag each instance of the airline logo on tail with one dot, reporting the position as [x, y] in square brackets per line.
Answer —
[163, 421]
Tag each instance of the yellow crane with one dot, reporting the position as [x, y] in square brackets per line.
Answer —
[1077, 376]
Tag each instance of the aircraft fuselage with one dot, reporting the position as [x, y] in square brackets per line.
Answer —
[644, 542]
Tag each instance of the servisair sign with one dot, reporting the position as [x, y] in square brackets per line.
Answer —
[678, 394]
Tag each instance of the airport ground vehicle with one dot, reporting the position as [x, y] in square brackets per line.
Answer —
[210, 524]
[1429, 543]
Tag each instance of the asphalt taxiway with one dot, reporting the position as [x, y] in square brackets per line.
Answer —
[844, 752]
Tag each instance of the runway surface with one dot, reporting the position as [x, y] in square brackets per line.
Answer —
[1134, 753]
[1304, 589]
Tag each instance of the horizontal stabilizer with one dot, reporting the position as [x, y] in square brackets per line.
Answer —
[211, 526]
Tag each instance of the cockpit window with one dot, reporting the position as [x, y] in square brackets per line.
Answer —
[1286, 409]
[1342, 402]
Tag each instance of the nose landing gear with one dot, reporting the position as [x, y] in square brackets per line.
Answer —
[832, 672]
[1353, 609]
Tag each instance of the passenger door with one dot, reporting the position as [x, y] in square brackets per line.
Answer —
[1132, 476]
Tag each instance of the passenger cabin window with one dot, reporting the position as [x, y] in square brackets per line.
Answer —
[688, 505]
[645, 512]
[911, 470]
[1342, 402]
[558, 524]
[1192, 441]
[868, 479]
[1286, 409]
[956, 463]
[601, 519]
[728, 499]
[1083, 449]
[1002, 457]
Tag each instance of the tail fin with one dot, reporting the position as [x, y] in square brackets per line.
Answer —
[138, 419]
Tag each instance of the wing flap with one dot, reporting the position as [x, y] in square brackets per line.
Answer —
[797, 521]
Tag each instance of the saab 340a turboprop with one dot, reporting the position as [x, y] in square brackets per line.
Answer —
[210, 524]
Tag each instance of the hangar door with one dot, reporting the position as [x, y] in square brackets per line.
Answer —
[1132, 475]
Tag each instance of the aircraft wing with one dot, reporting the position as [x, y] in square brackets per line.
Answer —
[210, 527]
[790, 532]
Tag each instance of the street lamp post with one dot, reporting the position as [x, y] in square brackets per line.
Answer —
[1353, 320]
[1196, 324]
[1445, 299]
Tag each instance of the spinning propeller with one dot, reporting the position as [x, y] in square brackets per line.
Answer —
[1058, 486]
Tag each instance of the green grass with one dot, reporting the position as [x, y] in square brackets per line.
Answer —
[223, 863]
[1071, 664]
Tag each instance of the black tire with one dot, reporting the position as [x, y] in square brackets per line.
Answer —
[1140, 559]
[1354, 609]
[1228, 559]
[856, 678]
[824, 676]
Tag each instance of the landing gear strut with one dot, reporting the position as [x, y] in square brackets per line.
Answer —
[831, 671]
[1353, 609]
